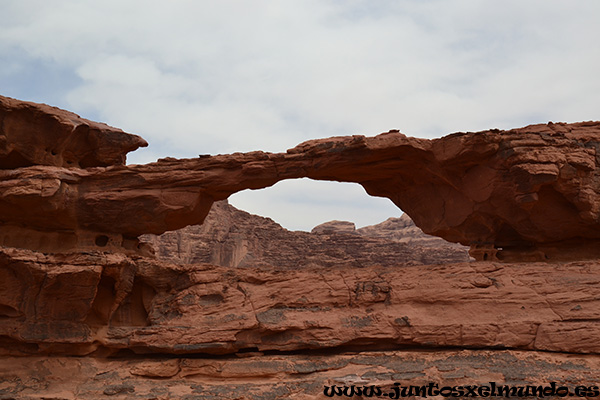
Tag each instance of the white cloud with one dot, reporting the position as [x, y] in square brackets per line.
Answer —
[197, 77]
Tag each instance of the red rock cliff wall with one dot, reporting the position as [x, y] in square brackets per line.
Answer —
[86, 320]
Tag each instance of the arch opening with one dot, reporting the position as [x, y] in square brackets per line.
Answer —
[301, 204]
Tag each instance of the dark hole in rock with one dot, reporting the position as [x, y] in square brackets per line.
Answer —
[101, 240]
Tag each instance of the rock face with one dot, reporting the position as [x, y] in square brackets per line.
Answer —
[403, 230]
[37, 134]
[280, 332]
[335, 227]
[300, 377]
[233, 238]
[529, 193]
[99, 304]
[238, 313]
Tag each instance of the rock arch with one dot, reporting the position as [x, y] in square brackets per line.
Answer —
[527, 190]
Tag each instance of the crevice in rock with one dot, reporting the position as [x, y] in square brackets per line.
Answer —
[103, 302]
[133, 310]
[349, 348]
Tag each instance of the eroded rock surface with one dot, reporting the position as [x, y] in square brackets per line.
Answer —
[92, 318]
[233, 238]
[208, 332]
[335, 227]
[300, 377]
[101, 303]
[37, 134]
[524, 194]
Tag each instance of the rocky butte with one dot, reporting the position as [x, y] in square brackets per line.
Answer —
[242, 309]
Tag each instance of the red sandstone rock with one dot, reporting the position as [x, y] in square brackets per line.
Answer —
[299, 377]
[404, 230]
[204, 331]
[37, 134]
[335, 227]
[525, 194]
[233, 238]
[100, 303]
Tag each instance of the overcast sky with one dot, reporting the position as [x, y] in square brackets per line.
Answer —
[196, 77]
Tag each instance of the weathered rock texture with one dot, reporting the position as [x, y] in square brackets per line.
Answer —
[233, 238]
[101, 303]
[335, 227]
[37, 134]
[297, 377]
[403, 230]
[529, 193]
[269, 333]
[92, 318]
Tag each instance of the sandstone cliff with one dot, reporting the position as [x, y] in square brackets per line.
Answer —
[87, 312]
[297, 377]
[402, 230]
[82, 304]
[253, 333]
[233, 238]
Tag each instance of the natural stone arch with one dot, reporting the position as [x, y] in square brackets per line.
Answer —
[523, 191]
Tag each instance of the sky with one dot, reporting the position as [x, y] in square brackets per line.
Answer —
[214, 77]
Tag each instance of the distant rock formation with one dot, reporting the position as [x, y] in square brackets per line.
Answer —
[403, 230]
[335, 227]
[233, 238]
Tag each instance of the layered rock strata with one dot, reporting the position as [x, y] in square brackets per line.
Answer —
[37, 134]
[92, 318]
[297, 377]
[101, 303]
[233, 238]
[207, 332]
[529, 193]
[403, 230]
